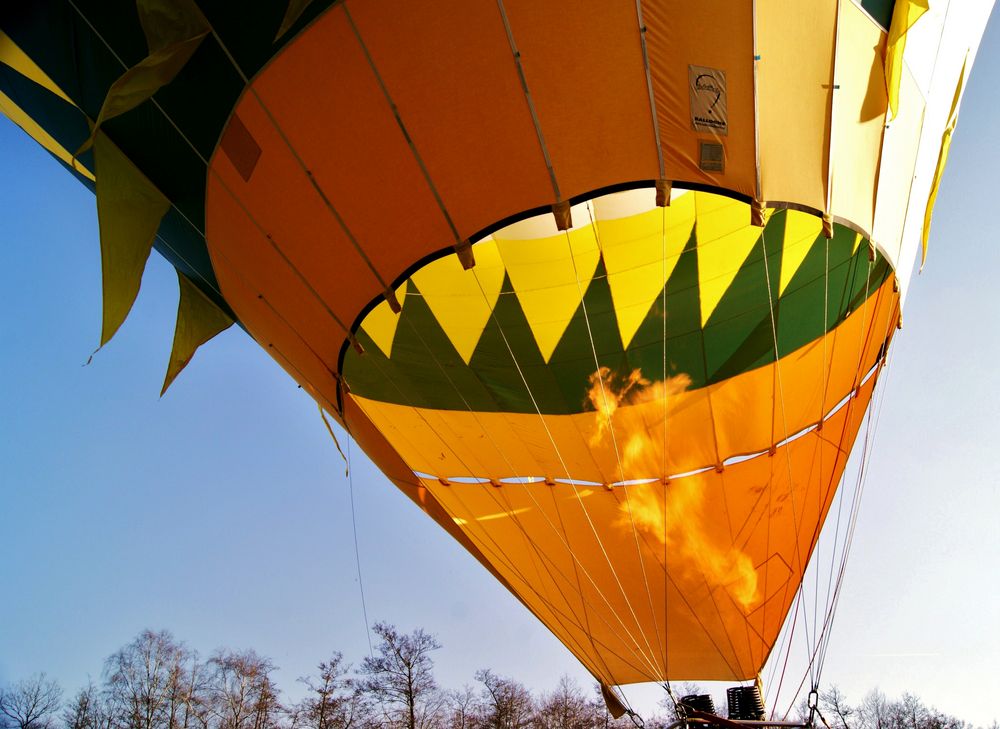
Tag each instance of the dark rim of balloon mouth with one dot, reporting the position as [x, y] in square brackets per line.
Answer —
[666, 479]
[543, 209]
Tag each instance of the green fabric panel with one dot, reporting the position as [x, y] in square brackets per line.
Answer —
[738, 337]
[198, 101]
[572, 361]
[63, 121]
[685, 353]
[492, 360]
[881, 10]
[733, 335]
[248, 29]
[425, 365]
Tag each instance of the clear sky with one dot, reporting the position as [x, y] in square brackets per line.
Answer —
[221, 512]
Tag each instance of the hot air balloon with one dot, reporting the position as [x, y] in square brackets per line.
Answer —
[604, 288]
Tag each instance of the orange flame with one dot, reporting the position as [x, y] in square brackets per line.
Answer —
[611, 394]
[682, 524]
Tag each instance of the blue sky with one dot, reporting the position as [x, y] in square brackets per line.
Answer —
[221, 512]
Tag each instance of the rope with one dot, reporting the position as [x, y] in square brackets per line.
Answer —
[357, 552]
[611, 428]
[788, 457]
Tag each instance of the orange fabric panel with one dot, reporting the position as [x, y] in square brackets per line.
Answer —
[285, 345]
[795, 41]
[849, 352]
[260, 271]
[715, 34]
[351, 143]
[279, 197]
[647, 582]
[583, 63]
[457, 90]
[376, 447]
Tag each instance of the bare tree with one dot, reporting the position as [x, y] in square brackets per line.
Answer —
[565, 708]
[243, 694]
[333, 702]
[140, 681]
[833, 704]
[401, 677]
[873, 713]
[30, 703]
[463, 709]
[507, 704]
[86, 710]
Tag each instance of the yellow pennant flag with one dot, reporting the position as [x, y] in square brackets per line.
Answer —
[942, 160]
[174, 30]
[198, 320]
[905, 14]
[129, 211]
[292, 13]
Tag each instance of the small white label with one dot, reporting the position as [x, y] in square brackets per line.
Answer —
[708, 100]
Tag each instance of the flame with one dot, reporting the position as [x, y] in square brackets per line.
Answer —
[611, 394]
[683, 523]
[681, 526]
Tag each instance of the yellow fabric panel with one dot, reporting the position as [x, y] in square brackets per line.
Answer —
[198, 320]
[17, 115]
[380, 324]
[690, 579]
[904, 15]
[725, 239]
[795, 42]
[640, 252]
[17, 59]
[899, 158]
[462, 301]
[942, 160]
[801, 231]
[859, 106]
[716, 34]
[550, 277]
[129, 210]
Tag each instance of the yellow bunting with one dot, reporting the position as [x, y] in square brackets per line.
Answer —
[173, 32]
[381, 323]
[167, 22]
[801, 231]
[942, 160]
[725, 239]
[640, 253]
[129, 210]
[17, 59]
[17, 115]
[292, 13]
[904, 16]
[198, 320]
[462, 300]
[329, 429]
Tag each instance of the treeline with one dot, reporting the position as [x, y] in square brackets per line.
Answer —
[156, 682]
